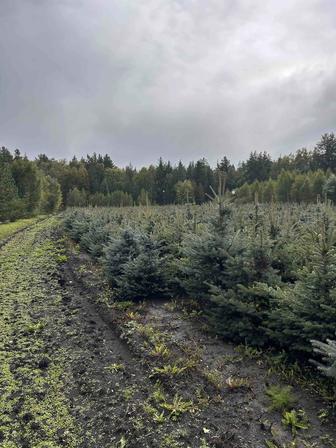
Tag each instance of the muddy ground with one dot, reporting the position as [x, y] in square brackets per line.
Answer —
[80, 371]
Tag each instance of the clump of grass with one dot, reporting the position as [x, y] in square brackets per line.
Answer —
[148, 331]
[115, 368]
[214, 377]
[122, 442]
[192, 314]
[282, 397]
[160, 350]
[60, 258]
[158, 395]
[34, 328]
[129, 392]
[169, 370]
[133, 315]
[295, 420]
[158, 417]
[192, 350]
[202, 398]
[177, 407]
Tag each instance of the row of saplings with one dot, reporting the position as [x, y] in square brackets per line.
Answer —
[251, 284]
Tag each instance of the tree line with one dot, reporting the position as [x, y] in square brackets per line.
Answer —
[25, 190]
[303, 177]
[42, 185]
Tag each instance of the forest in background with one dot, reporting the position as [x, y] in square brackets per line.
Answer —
[45, 184]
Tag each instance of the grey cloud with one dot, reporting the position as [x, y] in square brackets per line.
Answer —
[173, 78]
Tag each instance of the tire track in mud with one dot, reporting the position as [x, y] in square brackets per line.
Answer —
[102, 366]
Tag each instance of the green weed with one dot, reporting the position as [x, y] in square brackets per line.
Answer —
[295, 420]
[160, 350]
[177, 407]
[214, 377]
[282, 397]
[169, 370]
[115, 367]
[129, 392]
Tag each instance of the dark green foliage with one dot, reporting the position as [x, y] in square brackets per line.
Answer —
[77, 198]
[77, 225]
[257, 167]
[231, 270]
[241, 308]
[24, 189]
[282, 398]
[9, 199]
[134, 265]
[284, 260]
[143, 276]
[51, 195]
[118, 252]
[329, 188]
[307, 310]
[28, 180]
[325, 152]
[205, 257]
[94, 239]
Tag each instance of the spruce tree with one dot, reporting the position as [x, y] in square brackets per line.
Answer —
[135, 266]
[240, 309]
[95, 237]
[118, 252]
[328, 352]
[205, 257]
[77, 224]
[307, 310]
[143, 276]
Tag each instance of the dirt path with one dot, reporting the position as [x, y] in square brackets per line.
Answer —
[77, 371]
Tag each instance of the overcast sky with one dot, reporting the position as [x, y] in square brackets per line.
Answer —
[181, 79]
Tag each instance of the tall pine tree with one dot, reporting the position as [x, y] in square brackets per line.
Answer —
[9, 199]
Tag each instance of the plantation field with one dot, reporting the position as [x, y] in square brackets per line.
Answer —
[169, 327]
[8, 229]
